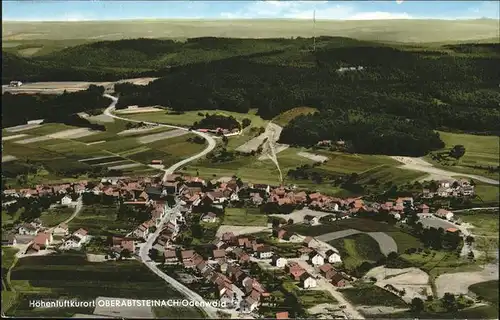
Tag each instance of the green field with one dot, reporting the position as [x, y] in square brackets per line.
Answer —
[487, 194]
[403, 240]
[382, 30]
[54, 276]
[287, 116]
[53, 217]
[485, 222]
[371, 295]
[488, 290]
[8, 258]
[357, 249]
[483, 151]
[101, 220]
[244, 217]
[188, 118]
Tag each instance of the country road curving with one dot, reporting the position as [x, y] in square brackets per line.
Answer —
[211, 141]
[419, 164]
[144, 250]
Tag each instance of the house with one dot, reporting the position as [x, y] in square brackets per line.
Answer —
[295, 270]
[209, 217]
[444, 214]
[307, 281]
[66, 200]
[316, 259]
[15, 84]
[9, 239]
[325, 268]
[248, 305]
[43, 239]
[338, 280]
[452, 230]
[282, 315]
[73, 242]
[311, 220]
[82, 234]
[280, 234]
[304, 253]
[308, 241]
[187, 255]
[61, 229]
[156, 162]
[423, 208]
[278, 261]
[332, 256]
[264, 252]
[219, 254]
[28, 229]
[170, 256]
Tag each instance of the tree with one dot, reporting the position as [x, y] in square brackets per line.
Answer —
[417, 305]
[449, 302]
[457, 151]
[153, 254]
[246, 122]
[469, 240]
[290, 221]
[470, 255]
[125, 253]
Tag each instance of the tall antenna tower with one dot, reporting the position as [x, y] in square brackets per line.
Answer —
[314, 30]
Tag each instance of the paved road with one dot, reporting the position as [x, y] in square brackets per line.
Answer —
[386, 242]
[208, 138]
[419, 164]
[188, 293]
[144, 251]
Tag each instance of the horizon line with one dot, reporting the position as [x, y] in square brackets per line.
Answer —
[245, 19]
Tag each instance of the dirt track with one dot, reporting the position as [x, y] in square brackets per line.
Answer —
[419, 164]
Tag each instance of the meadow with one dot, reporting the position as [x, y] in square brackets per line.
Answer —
[244, 217]
[382, 30]
[54, 216]
[287, 116]
[481, 152]
[101, 220]
[8, 259]
[485, 222]
[357, 249]
[487, 290]
[371, 295]
[54, 276]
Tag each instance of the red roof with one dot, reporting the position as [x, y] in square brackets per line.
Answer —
[282, 315]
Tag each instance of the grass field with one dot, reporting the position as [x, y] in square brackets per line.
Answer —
[188, 118]
[357, 249]
[487, 194]
[481, 151]
[488, 290]
[485, 222]
[244, 217]
[371, 295]
[101, 220]
[54, 216]
[10, 218]
[8, 258]
[402, 239]
[287, 116]
[382, 30]
[54, 276]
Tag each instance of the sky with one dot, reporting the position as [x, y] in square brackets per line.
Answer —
[27, 10]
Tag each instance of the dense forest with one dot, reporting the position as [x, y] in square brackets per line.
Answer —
[19, 108]
[379, 98]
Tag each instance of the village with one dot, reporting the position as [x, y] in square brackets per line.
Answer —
[226, 264]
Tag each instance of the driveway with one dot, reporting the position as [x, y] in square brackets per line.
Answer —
[385, 242]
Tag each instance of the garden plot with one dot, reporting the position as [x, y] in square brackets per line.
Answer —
[124, 312]
[101, 160]
[238, 230]
[138, 130]
[73, 133]
[162, 135]
[8, 158]
[16, 136]
[22, 127]
[32, 140]
[102, 118]
[312, 156]
[414, 281]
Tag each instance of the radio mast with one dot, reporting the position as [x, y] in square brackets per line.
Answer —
[314, 30]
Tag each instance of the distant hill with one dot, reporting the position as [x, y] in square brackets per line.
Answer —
[381, 30]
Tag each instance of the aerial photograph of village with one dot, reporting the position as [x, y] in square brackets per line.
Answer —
[250, 159]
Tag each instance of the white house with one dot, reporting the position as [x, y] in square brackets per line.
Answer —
[234, 197]
[82, 234]
[333, 257]
[210, 217]
[61, 229]
[28, 229]
[264, 252]
[307, 281]
[66, 200]
[445, 214]
[73, 242]
[15, 84]
[316, 259]
[311, 220]
[279, 262]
